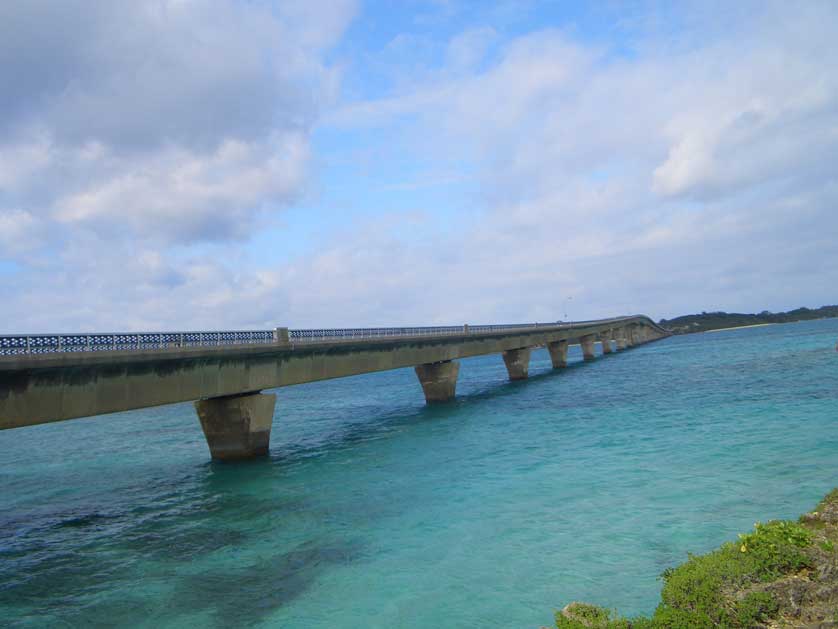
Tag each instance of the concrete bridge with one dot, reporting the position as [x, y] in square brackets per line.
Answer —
[48, 378]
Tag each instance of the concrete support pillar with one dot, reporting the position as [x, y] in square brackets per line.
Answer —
[605, 337]
[587, 343]
[517, 363]
[237, 426]
[620, 338]
[558, 353]
[438, 380]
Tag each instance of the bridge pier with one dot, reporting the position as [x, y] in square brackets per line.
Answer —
[237, 426]
[558, 353]
[438, 380]
[605, 337]
[587, 343]
[621, 341]
[517, 363]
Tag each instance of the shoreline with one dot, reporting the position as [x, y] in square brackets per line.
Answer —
[739, 327]
[782, 574]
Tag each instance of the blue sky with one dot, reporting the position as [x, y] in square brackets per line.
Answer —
[175, 164]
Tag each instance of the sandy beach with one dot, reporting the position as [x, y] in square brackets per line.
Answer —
[739, 327]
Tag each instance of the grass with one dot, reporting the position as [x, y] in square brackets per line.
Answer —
[724, 588]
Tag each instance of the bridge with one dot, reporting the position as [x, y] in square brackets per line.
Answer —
[48, 378]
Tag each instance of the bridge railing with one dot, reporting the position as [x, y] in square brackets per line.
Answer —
[60, 343]
[327, 334]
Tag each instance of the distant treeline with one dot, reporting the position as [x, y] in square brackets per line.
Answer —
[718, 320]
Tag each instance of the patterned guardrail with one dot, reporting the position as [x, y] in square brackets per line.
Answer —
[327, 334]
[60, 343]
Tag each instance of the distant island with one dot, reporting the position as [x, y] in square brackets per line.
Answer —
[707, 321]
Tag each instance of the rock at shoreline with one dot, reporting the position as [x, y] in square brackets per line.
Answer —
[590, 616]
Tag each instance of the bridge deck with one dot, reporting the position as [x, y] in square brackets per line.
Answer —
[54, 386]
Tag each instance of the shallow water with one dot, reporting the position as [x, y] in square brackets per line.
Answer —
[376, 511]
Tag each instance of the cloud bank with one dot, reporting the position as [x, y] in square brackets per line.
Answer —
[159, 121]
[143, 147]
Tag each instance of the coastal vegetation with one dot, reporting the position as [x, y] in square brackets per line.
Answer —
[706, 321]
[781, 574]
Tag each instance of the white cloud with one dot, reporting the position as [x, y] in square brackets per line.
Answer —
[20, 232]
[645, 182]
[469, 48]
[177, 195]
[175, 121]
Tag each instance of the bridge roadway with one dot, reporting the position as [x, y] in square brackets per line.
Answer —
[71, 378]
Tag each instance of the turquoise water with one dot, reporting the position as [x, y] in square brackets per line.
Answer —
[376, 511]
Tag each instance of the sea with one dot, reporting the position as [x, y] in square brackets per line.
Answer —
[375, 510]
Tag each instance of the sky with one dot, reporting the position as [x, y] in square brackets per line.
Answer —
[239, 164]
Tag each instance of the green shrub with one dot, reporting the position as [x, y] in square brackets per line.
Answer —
[692, 594]
[696, 594]
[671, 618]
[776, 548]
[754, 608]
